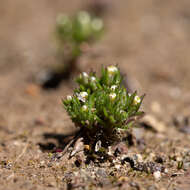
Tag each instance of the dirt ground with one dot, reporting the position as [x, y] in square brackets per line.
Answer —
[148, 39]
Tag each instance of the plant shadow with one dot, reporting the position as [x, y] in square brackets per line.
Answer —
[55, 142]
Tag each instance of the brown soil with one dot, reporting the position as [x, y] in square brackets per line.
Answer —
[148, 39]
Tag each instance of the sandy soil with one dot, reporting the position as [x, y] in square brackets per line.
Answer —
[148, 39]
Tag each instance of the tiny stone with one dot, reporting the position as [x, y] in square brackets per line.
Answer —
[102, 173]
[139, 157]
[42, 162]
[117, 166]
[49, 164]
[157, 175]
[152, 156]
[98, 146]
[110, 151]
[179, 159]
[165, 170]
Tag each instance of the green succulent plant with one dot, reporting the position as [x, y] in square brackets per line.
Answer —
[102, 102]
[73, 31]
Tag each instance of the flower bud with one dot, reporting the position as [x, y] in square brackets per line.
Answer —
[93, 78]
[82, 96]
[112, 96]
[69, 98]
[97, 24]
[113, 87]
[112, 69]
[84, 74]
[84, 108]
[84, 77]
[83, 17]
[137, 100]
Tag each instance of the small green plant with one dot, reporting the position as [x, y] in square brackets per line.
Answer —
[73, 34]
[79, 29]
[102, 104]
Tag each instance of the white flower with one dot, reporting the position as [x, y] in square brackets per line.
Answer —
[82, 96]
[84, 77]
[113, 87]
[69, 97]
[129, 94]
[93, 78]
[112, 96]
[84, 108]
[112, 69]
[97, 24]
[121, 111]
[137, 100]
[84, 17]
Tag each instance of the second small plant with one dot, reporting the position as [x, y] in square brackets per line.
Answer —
[74, 31]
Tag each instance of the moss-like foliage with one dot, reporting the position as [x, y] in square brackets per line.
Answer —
[102, 102]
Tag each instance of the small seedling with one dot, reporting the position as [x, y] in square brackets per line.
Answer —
[74, 31]
[73, 34]
[101, 105]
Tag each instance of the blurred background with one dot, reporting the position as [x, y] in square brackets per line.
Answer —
[148, 39]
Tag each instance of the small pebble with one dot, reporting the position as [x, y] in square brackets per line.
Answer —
[42, 162]
[98, 146]
[179, 159]
[157, 175]
[166, 170]
[117, 166]
[139, 157]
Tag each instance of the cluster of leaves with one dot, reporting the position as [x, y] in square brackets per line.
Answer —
[102, 101]
[81, 28]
